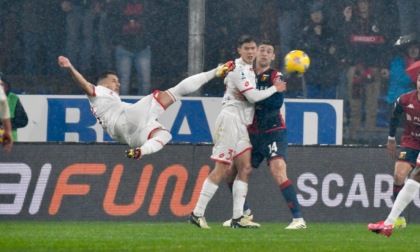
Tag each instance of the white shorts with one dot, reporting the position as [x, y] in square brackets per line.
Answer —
[230, 139]
[139, 120]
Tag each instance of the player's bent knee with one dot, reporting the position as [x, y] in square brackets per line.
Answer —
[166, 98]
[246, 170]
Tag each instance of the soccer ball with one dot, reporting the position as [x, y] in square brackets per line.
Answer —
[296, 61]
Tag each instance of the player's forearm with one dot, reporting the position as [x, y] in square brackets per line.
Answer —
[7, 126]
[80, 80]
[254, 95]
[395, 119]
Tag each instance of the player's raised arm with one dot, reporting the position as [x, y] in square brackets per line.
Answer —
[86, 86]
[255, 95]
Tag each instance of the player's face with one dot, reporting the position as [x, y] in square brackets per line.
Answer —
[111, 82]
[265, 54]
[248, 51]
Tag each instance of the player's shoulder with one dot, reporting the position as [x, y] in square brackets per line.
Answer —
[275, 73]
[408, 99]
[239, 65]
[408, 96]
[101, 91]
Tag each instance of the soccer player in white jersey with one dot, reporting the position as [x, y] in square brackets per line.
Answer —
[7, 139]
[135, 124]
[231, 140]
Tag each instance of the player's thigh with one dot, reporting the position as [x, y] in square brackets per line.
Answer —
[408, 155]
[406, 161]
[137, 114]
[229, 137]
[275, 145]
[257, 156]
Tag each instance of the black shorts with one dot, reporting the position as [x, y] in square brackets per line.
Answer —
[269, 145]
[408, 155]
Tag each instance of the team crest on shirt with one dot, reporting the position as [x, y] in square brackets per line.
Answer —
[402, 155]
[264, 77]
[243, 76]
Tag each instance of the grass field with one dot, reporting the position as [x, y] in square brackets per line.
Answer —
[130, 236]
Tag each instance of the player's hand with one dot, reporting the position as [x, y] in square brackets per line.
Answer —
[7, 142]
[392, 148]
[64, 62]
[238, 95]
[280, 85]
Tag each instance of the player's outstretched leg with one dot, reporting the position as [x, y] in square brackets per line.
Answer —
[194, 82]
[159, 139]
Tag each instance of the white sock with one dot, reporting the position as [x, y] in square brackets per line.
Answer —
[156, 143]
[239, 192]
[248, 212]
[207, 192]
[404, 198]
[192, 83]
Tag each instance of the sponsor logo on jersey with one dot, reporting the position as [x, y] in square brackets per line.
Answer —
[410, 106]
[243, 76]
[402, 155]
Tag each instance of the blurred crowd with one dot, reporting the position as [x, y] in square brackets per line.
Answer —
[359, 49]
[97, 35]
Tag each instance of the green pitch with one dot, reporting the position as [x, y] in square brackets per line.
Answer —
[131, 236]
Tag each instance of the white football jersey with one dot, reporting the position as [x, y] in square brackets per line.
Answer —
[243, 79]
[107, 107]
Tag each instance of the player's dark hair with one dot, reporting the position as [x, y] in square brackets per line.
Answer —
[267, 42]
[246, 39]
[105, 74]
